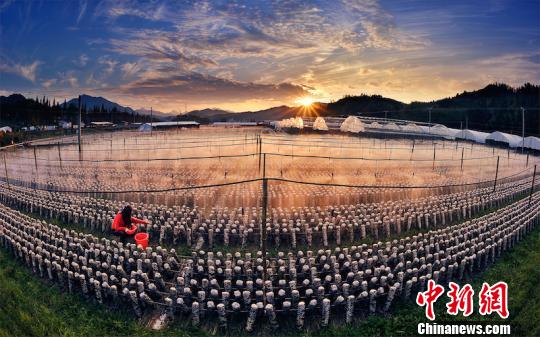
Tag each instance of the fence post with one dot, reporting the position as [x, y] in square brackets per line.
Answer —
[263, 230]
[59, 155]
[462, 151]
[5, 167]
[527, 163]
[79, 126]
[264, 165]
[496, 175]
[259, 142]
[434, 145]
[35, 159]
[532, 185]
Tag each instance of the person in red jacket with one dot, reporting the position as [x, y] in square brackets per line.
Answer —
[125, 225]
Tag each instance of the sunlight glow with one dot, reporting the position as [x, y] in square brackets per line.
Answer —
[305, 101]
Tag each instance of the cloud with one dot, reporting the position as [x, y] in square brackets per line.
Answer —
[26, 71]
[83, 4]
[246, 28]
[109, 64]
[211, 89]
[129, 69]
[82, 61]
[91, 81]
[244, 41]
[68, 78]
[48, 83]
[159, 48]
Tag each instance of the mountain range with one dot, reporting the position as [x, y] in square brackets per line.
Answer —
[494, 107]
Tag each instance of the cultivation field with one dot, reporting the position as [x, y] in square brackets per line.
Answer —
[256, 229]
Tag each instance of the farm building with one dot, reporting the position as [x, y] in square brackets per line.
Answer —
[411, 127]
[391, 126]
[5, 129]
[532, 143]
[505, 139]
[475, 136]
[234, 124]
[101, 124]
[442, 130]
[168, 125]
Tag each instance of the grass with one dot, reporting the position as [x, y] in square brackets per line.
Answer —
[31, 307]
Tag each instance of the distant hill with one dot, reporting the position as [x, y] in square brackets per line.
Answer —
[356, 105]
[155, 114]
[275, 113]
[17, 110]
[494, 107]
[207, 113]
[96, 104]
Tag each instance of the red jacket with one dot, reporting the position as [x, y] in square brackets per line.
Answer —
[119, 225]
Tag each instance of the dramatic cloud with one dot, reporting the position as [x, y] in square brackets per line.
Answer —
[243, 54]
[195, 86]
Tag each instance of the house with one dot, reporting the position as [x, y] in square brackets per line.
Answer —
[101, 124]
[234, 124]
[146, 127]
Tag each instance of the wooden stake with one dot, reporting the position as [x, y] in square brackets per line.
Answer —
[5, 167]
[496, 175]
[462, 151]
[532, 185]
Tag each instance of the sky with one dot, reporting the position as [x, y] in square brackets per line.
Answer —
[250, 55]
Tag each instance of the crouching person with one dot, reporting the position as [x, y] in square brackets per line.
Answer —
[124, 225]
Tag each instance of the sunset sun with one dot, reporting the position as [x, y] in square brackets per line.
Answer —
[305, 101]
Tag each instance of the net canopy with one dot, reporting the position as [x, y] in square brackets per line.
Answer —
[320, 124]
[352, 124]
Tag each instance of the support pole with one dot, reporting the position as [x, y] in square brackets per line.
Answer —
[532, 185]
[264, 165]
[434, 156]
[5, 167]
[260, 151]
[35, 159]
[462, 152]
[496, 175]
[522, 129]
[263, 229]
[59, 155]
[527, 163]
[79, 126]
